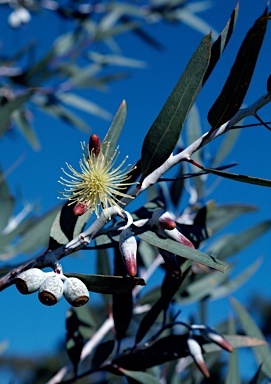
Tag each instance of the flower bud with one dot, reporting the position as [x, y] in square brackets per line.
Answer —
[29, 281]
[176, 235]
[51, 290]
[75, 292]
[80, 208]
[94, 145]
[162, 218]
[128, 248]
[211, 335]
[171, 262]
[195, 351]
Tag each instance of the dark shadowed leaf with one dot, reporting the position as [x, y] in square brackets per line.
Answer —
[115, 129]
[165, 349]
[140, 377]
[66, 226]
[122, 303]
[176, 187]
[74, 339]
[102, 352]
[221, 42]
[171, 284]
[262, 352]
[108, 284]
[258, 377]
[233, 93]
[165, 131]
[182, 250]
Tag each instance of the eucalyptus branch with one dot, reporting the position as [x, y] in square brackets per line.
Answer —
[51, 257]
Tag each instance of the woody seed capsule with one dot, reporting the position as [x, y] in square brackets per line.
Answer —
[51, 290]
[75, 292]
[29, 281]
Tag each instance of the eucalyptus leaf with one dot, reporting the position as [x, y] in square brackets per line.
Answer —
[9, 107]
[221, 42]
[234, 91]
[19, 117]
[163, 135]
[115, 129]
[182, 250]
[233, 375]
[140, 377]
[39, 230]
[235, 282]
[219, 215]
[241, 178]
[262, 352]
[108, 284]
[242, 240]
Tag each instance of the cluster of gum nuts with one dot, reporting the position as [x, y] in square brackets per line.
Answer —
[52, 286]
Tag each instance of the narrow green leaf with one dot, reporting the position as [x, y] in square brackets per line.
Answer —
[235, 283]
[7, 109]
[165, 131]
[84, 105]
[242, 178]
[233, 93]
[221, 42]
[242, 240]
[39, 231]
[102, 352]
[226, 146]
[108, 284]
[115, 129]
[219, 215]
[203, 287]
[236, 341]
[262, 353]
[140, 377]
[20, 119]
[184, 251]
[233, 375]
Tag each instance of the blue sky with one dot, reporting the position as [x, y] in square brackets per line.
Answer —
[33, 328]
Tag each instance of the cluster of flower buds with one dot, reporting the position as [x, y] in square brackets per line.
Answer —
[209, 335]
[52, 286]
[165, 227]
[128, 247]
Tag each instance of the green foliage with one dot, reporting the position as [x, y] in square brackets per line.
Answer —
[138, 333]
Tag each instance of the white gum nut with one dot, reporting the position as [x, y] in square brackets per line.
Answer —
[51, 290]
[30, 281]
[75, 292]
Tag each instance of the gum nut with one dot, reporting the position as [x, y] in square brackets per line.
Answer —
[30, 281]
[51, 290]
[75, 292]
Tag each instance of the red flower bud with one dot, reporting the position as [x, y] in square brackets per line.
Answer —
[128, 248]
[176, 235]
[162, 218]
[80, 209]
[195, 351]
[211, 335]
[94, 145]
